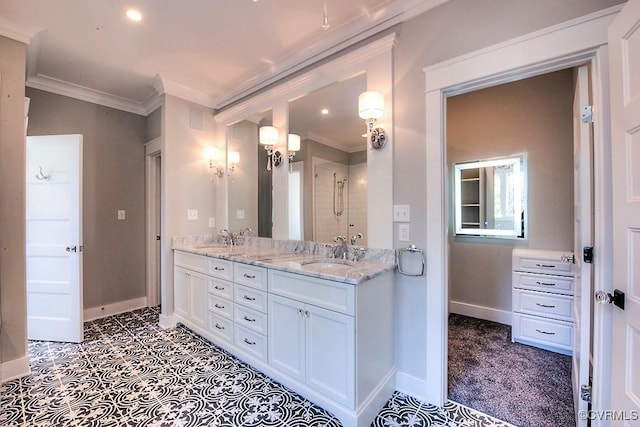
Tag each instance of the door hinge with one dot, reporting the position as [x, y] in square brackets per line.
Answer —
[585, 392]
[586, 114]
[587, 254]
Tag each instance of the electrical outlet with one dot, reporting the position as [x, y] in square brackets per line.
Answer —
[240, 214]
[212, 222]
[122, 215]
[403, 232]
[192, 214]
[401, 213]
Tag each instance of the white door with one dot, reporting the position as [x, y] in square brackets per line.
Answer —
[624, 48]
[287, 336]
[54, 238]
[182, 292]
[583, 211]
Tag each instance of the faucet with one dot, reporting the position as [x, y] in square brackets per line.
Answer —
[229, 239]
[246, 231]
[355, 237]
[341, 251]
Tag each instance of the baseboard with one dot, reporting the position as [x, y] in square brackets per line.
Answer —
[480, 312]
[13, 369]
[167, 322]
[115, 308]
[411, 385]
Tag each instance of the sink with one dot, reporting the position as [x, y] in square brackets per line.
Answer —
[327, 265]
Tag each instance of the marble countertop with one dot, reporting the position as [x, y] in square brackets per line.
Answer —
[306, 258]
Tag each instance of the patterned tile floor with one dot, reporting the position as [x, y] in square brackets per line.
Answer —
[130, 372]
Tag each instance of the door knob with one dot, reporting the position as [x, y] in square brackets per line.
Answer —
[616, 299]
[72, 249]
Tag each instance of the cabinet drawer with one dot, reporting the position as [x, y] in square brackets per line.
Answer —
[251, 342]
[250, 275]
[543, 304]
[546, 332]
[221, 327]
[221, 288]
[190, 261]
[327, 294]
[220, 268]
[542, 261]
[251, 319]
[220, 306]
[251, 298]
[543, 282]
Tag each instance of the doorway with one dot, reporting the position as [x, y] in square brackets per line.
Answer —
[153, 190]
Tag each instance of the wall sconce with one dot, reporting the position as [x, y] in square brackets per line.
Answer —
[371, 108]
[293, 146]
[269, 137]
[234, 159]
[211, 155]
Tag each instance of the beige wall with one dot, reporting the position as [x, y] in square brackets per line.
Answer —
[532, 116]
[13, 332]
[113, 179]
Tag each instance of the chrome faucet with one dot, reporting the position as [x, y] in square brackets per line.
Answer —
[229, 239]
[341, 251]
[355, 237]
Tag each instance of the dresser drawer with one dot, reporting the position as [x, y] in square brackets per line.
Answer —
[543, 282]
[221, 288]
[221, 327]
[251, 319]
[220, 268]
[251, 343]
[251, 298]
[545, 262]
[543, 304]
[220, 306]
[250, 275]
[546, 332]
[190, 261]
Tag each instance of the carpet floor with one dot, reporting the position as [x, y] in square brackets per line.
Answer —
[520, 384]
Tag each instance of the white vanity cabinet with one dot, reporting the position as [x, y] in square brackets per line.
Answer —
[190, 294]
[542, 289]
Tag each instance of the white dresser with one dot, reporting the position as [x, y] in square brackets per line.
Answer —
[542, 287]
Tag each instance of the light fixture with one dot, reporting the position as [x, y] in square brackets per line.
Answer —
[134, 15]
[324, 111]
[268, 136]
[293, 146]
[234, 159]
[211, 155]
[371, 108]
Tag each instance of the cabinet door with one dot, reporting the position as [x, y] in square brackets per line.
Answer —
[182, 291]
[198, 301]
[330, 354]
[286, 336]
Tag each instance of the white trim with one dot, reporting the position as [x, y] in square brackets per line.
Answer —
[480, 312]
[562, 46]
[18, 32]
[152, 189]
[164, 86]
[115, 308]
[16, 368]
[411, 385]
[167, 322]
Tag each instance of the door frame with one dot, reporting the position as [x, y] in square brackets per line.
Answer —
[576, 42]
[153, 150]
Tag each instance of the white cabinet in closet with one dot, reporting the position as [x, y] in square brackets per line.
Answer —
[542, 288]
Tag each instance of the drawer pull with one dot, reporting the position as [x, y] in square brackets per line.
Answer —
[545, 284]
[545, 265]
[248, 319]
[249, 342]
[545, 305]
[219, 306]
[248, 298]
[218, 288]
[545, 332]
[218, 268]
[249, 276]
[219, 327]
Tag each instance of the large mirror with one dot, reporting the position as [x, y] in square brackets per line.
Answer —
[328, 175]
[490, 197]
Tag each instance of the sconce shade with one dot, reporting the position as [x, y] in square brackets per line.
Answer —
[268, 135]
[294, 142]
[210, 153]
[371, 105]
[234, 157]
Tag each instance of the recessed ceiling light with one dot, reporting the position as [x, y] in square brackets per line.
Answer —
[324, 111]
[134, 15]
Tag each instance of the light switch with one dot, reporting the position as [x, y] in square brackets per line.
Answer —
[122, 215]
[403, 232]
[192, 214]
[240, 214]
[401, 213]
[212, 222]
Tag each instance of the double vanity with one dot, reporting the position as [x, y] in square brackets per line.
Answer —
[321, 326]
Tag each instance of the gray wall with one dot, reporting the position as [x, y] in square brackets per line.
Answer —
[532, 116]
[13, 331]
[113, 179]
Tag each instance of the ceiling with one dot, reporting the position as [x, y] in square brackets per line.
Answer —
[212, 52]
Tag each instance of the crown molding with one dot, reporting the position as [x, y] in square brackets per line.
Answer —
[165, 86]
[18, 32]
[331, 143]
[50, 84]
